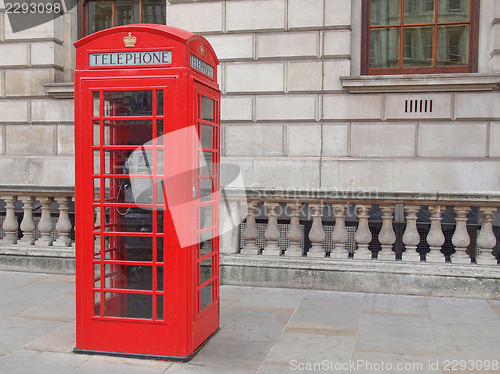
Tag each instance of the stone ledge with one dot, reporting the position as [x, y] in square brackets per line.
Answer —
[446, 280]
[60, 90]
[46, 259]
[421, 83]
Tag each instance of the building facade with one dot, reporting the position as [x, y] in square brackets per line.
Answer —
[332, 95]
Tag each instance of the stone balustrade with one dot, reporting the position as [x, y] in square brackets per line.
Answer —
[35, 224]
[372, 226]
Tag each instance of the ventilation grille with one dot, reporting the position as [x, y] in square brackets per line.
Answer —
[418, 106]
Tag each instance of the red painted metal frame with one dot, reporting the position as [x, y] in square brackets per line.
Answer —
[183, 327]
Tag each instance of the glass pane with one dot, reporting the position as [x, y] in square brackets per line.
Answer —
[96, 133]
[130, 248]
[384, 48]
[384, 12]
[417, 46]
[206, 190]
[128, 305]
[205, 244]
[206, 163]
[115, 161]
[453, 45]
[97, 189]
[100, 15]
[207, 136]
[454, 11]
[206, 270]
[96, 103]
[97, 304]
[97, 161]
[159, 162]
[128, 132]
[153, 11]
[159, 307]
[159, 103]
[207, 109]
[97, 247]
[126, 12]
[418, 11]
[206, 298]
[205, 216]
[159, 132]
[159, 249]
[128, 103]
[116, 190]
[130, 277]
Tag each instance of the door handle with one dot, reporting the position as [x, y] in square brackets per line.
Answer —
[194, 191]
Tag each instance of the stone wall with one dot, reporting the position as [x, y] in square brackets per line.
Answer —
[290, 120]
[291, 117]
[36, 130]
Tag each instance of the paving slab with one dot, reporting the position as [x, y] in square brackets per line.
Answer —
[303, 348]
[28, 361]
[329, 311]
[373, 362]
[395, 304]
[17, 332]
[263, 330]
[272, 297]
[119, 365]
[233, 353]
[396, 334]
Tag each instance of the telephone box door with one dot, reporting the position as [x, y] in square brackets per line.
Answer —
[132, 276]
[206, 120]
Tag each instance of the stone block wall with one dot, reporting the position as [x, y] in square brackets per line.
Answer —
[36, 130]
[289, 120]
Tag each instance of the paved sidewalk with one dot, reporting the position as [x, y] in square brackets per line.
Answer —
[266, 330]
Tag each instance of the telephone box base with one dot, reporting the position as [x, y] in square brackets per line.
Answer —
[146, 357]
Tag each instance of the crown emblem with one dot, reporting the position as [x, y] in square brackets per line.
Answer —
[129, 40]
[202, 51]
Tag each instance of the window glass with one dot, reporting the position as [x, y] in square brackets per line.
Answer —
[126, 12]
[99, 14]
[384, 12]
[417, 46]
[384, 48]
[453, 45]
[420, 36]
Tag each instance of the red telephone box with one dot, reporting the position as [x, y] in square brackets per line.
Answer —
[146, 190]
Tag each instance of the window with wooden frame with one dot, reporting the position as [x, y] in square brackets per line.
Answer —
[419, 36]
[99, 15]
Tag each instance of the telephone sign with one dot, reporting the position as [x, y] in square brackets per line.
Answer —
[146, 192]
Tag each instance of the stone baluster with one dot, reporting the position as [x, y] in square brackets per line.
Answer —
[10, 222]
[28, 223]
[317, 233]
[363, 235]
[461, 238]
[339, 234]
[294, 234]
[250, 232]
[63, 225]
[435, 237]
[387, 236]
[486, 239]
[411, 237]
[45, 224]
[272, 233]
